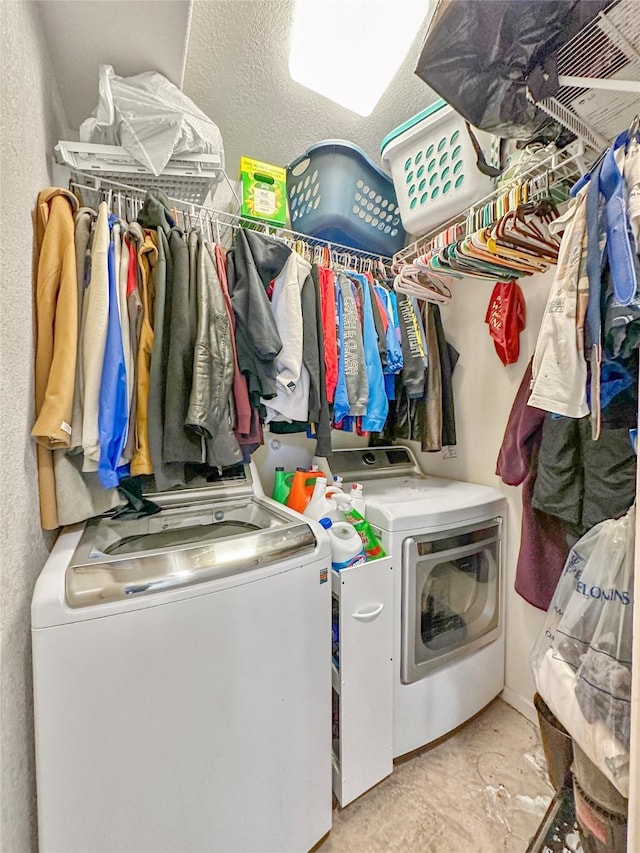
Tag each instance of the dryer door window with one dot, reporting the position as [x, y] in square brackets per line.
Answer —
[450, 597]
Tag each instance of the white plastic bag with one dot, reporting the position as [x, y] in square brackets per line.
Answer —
[151, 118]
[582, 659]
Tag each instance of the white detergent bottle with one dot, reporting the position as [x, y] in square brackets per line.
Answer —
[321, 504]
[338, 481]
[357, 497]
[346, 545]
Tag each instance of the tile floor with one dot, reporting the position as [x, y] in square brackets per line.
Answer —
[482, 790]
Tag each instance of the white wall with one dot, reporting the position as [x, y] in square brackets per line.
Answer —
[484, 391]
[30, 122]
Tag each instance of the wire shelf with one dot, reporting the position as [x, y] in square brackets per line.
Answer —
[558, 168]
[220, 225]
[607, 49]
[190, 177]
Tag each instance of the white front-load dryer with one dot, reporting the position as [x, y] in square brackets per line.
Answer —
[446, 540]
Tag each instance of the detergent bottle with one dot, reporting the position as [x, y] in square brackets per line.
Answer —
[282, 485]
[301, 488]
[338, 480]
[346, 547]
[321, 503]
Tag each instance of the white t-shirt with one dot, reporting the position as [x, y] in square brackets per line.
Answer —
[291, 402]
[559, 369]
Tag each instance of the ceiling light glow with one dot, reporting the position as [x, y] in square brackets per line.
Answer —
[349, 50]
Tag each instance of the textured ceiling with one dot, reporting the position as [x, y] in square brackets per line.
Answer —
[134, 36]
[233, 62]
[237, 73]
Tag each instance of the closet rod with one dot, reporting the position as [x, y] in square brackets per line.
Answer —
[551, 171]
[201, 214]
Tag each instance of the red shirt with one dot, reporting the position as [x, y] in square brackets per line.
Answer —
[506, 316]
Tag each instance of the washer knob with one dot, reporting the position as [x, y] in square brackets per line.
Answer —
[369, 458]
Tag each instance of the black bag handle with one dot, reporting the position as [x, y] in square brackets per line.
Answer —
[481, 162]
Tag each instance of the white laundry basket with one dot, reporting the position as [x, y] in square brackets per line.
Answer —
[433, 165]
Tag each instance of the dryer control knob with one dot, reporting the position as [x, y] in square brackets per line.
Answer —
[369, 459]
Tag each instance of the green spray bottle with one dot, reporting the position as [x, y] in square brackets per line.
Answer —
[372, 547]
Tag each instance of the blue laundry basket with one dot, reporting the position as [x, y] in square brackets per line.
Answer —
[337, 194]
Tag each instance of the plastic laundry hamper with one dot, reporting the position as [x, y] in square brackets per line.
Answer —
[337, 194]
[433, 163]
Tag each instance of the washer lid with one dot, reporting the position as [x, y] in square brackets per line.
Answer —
[417, 502]
[183, 545]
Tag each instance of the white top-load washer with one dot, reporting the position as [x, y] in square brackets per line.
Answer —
[182, 679]
[446, 540]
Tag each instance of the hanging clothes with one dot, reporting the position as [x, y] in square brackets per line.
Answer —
[84, 223]
[55, 363]
[240, 391]
[135, 238]
[394, 361]
[448, 359]
[147, 259]
[323, 425]
[329, 313]
[57, 319]
[125, 326]
[208, 414]
[161, 332]
[94, 339]
[113, 410]
[432, 421]
[377, 409]
[506, 316]
[352, 362]
[543, 543]
[341, 396]
[318, 420]
[291, 401]
[413, 349]
[252, 264]
[180, 445]
[581, 481]
[559, 369]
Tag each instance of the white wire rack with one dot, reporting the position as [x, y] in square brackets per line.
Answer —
[542, 177]
[191, 177]
[219, 225]
[599, 76]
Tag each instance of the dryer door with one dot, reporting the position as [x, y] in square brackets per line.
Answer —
[450, 596]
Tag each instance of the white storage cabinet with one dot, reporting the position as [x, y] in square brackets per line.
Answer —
[362, 677]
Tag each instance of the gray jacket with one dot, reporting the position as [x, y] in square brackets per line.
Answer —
[355, 368]
[180, 444]
[209, 413]
[253, 263]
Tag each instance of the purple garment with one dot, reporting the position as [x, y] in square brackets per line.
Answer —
[543, 542]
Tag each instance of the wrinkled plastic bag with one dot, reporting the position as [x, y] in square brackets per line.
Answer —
[582, 659]
[150, 118]
[479, 57]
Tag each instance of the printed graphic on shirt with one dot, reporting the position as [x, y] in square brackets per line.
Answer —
[415, 344]
[351, 329]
